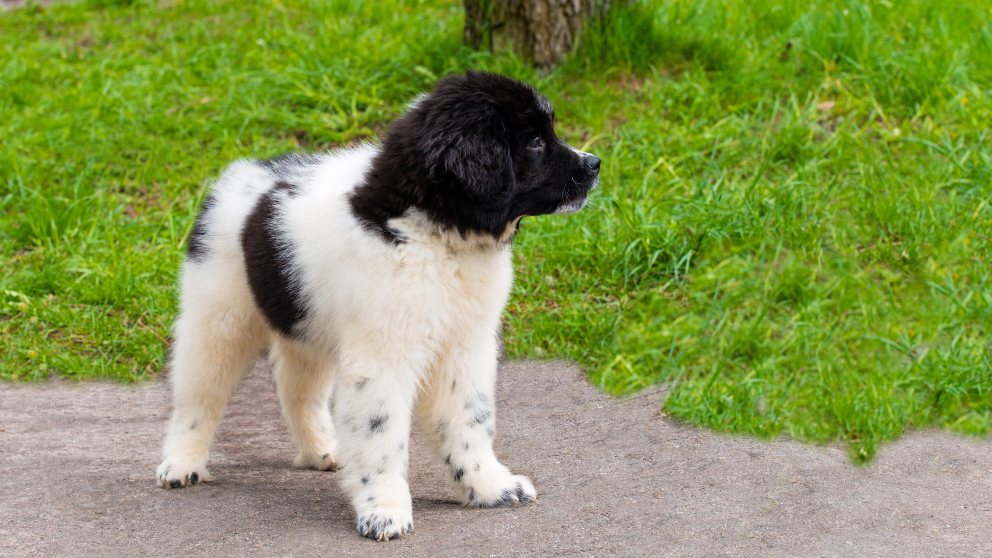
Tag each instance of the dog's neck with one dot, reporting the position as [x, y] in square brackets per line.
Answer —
[415, 226]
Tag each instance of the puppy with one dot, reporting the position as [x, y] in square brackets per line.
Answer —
[375, 277]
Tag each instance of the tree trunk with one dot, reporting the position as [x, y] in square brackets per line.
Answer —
[542, 31]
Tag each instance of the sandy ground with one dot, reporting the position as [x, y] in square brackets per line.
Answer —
[615, 479]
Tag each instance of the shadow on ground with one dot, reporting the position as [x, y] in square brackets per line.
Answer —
[615, 478]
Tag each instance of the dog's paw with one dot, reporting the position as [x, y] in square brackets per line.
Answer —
[383, 524]
[320, 462]
[515, 490]
[174, 473]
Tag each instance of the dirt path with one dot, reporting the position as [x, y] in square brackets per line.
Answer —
[615, 479]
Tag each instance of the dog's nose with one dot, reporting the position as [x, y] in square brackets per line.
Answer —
[592, 162]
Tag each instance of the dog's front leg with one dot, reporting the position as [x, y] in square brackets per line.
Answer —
[373, 401]
[458, 412]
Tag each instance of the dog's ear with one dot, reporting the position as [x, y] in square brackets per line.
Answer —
[475, 150]
[481, 160]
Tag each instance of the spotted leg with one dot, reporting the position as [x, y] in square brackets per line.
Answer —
[373, 399]
[217, 337]
[458, 412]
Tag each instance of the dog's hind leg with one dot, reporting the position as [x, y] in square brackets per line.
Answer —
[218, 336]
[304, 384]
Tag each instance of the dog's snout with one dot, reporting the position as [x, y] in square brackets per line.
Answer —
[592, 162]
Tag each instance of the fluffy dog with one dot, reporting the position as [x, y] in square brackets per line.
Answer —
[375, 276]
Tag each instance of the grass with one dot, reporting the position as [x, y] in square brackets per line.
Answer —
[794, 226]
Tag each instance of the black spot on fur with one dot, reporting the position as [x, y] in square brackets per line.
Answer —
[482, 416]
[268, 264]
[505, 499]
[377, 423]
[360, 384]
[477, 401]
[458, 474]
[466, 156]
[366, 479]
[196, 247]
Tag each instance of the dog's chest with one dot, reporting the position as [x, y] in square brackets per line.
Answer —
[457, 293]
[466, 283]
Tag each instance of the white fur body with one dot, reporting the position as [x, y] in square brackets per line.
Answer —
[393, 331]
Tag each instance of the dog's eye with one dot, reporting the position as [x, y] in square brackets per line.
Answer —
[536, 143]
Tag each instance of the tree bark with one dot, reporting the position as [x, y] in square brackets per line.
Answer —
[542, 31]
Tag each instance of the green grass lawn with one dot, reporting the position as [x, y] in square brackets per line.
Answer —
[794, 225]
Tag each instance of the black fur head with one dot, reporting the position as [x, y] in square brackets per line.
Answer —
[476, 154]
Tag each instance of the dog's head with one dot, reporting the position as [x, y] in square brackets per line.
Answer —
[488, 154]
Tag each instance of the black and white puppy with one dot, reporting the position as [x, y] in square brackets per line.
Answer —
[376, 277]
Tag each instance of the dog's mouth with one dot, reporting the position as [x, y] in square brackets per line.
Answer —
[573, 204]
[576, 200]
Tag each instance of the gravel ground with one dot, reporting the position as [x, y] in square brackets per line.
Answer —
[615, 477]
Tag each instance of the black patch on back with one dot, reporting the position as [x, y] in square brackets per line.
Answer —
[268, 264]
[196, 246]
